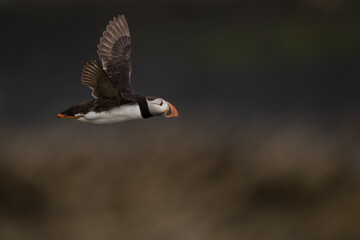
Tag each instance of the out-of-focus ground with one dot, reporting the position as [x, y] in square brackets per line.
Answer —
[266, 146]
[270, 181]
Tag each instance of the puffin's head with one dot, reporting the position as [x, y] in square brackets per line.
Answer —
[158, 106]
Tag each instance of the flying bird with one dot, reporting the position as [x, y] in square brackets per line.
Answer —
[114, 99]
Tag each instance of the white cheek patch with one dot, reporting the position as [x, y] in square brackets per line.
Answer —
[157, 101]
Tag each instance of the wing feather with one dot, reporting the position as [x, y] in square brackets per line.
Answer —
[114, 52]
[94, 77]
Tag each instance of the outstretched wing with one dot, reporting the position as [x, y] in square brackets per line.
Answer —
[94, 77]
[114, 51]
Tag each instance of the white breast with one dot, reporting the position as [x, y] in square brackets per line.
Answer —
[118, 114]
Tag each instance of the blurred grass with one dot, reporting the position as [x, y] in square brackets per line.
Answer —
[258, 181]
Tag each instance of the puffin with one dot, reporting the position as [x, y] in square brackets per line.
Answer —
[113, 97]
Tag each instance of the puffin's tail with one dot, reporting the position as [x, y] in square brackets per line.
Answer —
[75, 112]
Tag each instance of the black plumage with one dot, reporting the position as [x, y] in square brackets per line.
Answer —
[110, 83]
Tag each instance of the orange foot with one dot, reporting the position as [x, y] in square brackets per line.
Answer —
[64, 116]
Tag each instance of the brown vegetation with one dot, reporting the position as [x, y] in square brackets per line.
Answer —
[278, 182]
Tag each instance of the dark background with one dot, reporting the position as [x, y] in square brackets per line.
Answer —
[266, 146]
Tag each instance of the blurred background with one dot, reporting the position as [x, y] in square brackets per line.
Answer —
[266, 146]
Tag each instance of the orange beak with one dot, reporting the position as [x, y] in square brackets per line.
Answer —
[64, 116]
[172, 112]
